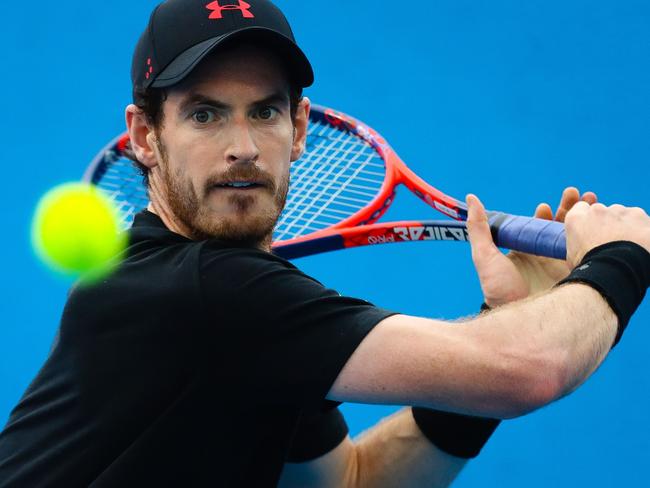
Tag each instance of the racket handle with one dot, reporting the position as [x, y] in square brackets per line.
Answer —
[527, 234]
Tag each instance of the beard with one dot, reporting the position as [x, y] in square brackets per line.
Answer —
[193, 211]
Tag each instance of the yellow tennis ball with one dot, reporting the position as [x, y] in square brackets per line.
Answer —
[76, 231]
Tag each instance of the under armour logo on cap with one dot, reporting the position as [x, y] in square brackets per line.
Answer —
[217, 9]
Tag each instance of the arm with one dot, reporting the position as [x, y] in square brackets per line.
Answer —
[395, 452]
[392, 453]
[503, 364]
[508, 362]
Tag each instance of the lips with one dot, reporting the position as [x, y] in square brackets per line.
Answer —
[241, 179]
[239, 185]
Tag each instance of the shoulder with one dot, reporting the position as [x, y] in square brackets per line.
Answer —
[248, 267]
[221, 253]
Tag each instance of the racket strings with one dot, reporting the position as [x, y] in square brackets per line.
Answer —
[123, 183]
[339, 175]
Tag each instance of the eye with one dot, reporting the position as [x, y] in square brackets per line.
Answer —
[203, 116]
[267, 113]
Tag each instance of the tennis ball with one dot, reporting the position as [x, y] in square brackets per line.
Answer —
[76, 231]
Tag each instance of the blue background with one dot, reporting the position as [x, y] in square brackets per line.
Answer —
[511, 100]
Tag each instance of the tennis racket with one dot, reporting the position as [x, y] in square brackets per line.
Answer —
[340, 188]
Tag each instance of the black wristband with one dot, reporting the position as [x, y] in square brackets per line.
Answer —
[620, 272]
[462, 436]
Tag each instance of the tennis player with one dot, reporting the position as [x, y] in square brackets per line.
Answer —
[205, 360]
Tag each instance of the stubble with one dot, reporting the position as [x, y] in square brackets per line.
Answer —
[241, 225]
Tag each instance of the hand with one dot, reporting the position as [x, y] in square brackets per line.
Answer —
[588, 227]
[506, 278]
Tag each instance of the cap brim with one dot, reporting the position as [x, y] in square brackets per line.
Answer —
[300, 69]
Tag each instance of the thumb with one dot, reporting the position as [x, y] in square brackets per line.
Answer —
[478, 228]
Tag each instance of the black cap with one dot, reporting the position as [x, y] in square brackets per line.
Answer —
[182, 32]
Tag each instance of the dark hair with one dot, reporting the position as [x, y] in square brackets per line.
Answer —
[151, 103]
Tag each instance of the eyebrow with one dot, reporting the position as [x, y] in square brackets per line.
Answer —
[195, 98]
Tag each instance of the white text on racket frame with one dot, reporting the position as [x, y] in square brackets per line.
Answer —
[422, 233]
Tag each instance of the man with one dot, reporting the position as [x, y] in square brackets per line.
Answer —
[207, 361]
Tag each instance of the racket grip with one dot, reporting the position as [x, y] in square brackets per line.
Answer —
[527, 234]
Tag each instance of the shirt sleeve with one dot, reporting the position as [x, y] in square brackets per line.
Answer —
[285, 336]
[319, 430]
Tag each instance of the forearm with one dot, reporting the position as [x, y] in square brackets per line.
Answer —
[564, 335]
[502, 364]
[395, 453]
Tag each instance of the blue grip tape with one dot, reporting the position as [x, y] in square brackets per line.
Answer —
[529, 235]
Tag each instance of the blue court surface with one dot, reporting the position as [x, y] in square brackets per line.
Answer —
[510, 100]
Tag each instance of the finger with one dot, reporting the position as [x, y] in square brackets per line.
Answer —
[580, 208]
[589, 197]
[543, 211]
[573, 235]
[478, 228]
[570, 196]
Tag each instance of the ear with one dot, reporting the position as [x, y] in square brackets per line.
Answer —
[142, 136]
[300, 131]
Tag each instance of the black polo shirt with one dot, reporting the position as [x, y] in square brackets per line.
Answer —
[191, 365]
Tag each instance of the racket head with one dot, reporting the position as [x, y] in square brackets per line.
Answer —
[346, 178]
[331, 136]
[343, 179]
[117, 176]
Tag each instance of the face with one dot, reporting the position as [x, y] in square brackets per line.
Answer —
[221, 158]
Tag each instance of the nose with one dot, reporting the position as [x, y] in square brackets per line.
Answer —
[242, 147]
